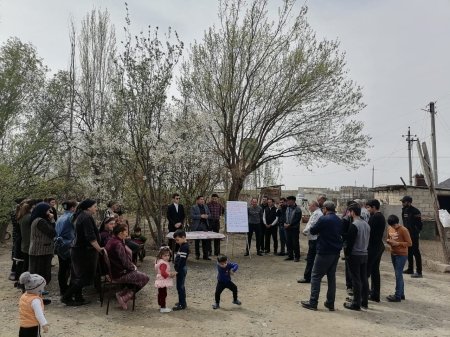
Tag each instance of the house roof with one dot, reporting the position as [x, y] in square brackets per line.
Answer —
[444, 184]
[403, 187]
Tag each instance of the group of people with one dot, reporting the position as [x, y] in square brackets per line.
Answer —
[78, 243]
[361, 238]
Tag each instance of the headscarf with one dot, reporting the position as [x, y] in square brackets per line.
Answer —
[40, 211]
[86, 203]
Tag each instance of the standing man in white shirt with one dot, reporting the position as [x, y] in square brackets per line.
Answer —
[316, 213]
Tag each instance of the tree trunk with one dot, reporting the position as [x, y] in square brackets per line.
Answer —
[237, 184]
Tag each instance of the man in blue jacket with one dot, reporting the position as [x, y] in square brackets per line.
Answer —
[329, 245]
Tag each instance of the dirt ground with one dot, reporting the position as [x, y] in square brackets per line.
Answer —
[269, 294]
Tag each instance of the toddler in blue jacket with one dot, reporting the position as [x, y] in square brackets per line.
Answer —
[224, 271]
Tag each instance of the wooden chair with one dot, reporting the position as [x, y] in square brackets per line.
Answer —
[108, 284]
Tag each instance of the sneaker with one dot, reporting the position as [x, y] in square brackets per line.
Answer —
[296, 260]
[259, 254]
[329, 306]
[178, 308]
[216, 306]
[374, 299]
[237, 302]
[303, 281]
[351, 306]
[12, 276]
[393, 298]
[308, 305]
[416, 275]
[288, 259]
[122, 303]
[408, 271]
[165, 310]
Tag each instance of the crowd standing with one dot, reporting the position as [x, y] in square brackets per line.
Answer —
[82, 247]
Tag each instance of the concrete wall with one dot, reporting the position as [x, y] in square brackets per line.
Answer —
[421, 199]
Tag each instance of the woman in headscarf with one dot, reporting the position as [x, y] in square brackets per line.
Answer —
[41, 241]
[106, 229]
[84, 253]
[24, 218]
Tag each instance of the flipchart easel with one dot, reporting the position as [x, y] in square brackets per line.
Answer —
[236, 219]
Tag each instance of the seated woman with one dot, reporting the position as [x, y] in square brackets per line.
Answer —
[122, 269]
[106, 229]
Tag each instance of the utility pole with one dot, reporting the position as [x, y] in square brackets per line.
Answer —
[410, 139]
[433, 144]
[373, 176]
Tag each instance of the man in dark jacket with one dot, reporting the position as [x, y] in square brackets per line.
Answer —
[329, 245]
[412, 219]
[377, 224]
[175, 216]
[292, 226]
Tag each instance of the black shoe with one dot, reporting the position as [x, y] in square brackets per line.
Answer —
[329, 306]
[416, 275]
[46, 301]
[403, 297]
[246, 254]
[351, 306]
[296, 260]
[308, 305]
[206, 258]
[73, 303]
[197, 257]
[393, 298]
[178, 308]
[303, 281]
[281, 254]
[288, 259]
[365, 306]
[259, 254]
[408, 271]
[374, 299]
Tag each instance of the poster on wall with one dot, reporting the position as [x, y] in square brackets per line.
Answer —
[237, 217]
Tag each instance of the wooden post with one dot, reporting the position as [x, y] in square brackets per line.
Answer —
[426, 166]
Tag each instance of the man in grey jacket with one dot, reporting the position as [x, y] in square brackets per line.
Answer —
[356, 254]
[200, 214]
[255, 214]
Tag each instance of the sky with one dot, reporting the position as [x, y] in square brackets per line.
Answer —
[398, 51]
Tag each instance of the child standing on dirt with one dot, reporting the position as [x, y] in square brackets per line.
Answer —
[181, 267]
[399, 239]
[31, 306]
[163, 277]
[224, 271]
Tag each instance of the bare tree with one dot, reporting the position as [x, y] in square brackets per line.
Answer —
[271, 90]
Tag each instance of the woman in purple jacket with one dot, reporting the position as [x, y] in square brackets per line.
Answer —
[122, 269]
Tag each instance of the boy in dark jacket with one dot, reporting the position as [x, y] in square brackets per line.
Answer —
[181, 268]
[224, 271]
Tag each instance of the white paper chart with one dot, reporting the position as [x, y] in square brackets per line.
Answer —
[237, 217]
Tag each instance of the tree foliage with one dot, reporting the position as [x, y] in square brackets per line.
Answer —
[273, 85]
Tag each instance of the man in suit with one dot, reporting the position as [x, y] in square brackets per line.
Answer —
[200, 215]
[175, 216]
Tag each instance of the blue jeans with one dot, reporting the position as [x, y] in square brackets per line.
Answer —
[181, 277]
[399, 262]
